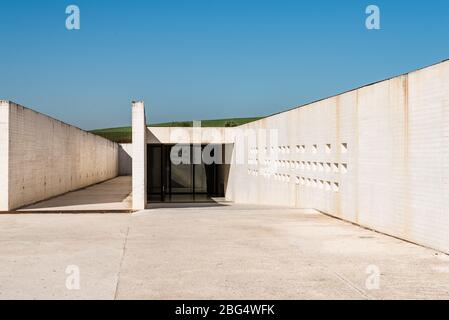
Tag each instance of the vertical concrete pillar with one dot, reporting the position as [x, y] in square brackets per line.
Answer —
[139, 171]
[4, 155]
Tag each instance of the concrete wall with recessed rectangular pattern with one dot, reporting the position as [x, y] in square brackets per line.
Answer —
[377, 156]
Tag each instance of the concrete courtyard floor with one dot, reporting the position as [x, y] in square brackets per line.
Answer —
[111, 195]
[211, 252]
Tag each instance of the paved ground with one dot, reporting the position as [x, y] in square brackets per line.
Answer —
[114, 194]
[209, 252]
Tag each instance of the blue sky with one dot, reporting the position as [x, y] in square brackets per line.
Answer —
[205, 59]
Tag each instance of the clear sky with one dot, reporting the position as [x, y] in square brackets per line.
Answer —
[205, 59]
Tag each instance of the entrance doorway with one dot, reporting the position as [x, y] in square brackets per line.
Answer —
[186, 181]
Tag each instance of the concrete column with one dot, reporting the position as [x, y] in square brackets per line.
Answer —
[139, 171]
[4, 155]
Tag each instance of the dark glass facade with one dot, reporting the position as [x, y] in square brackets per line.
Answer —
[187, 175]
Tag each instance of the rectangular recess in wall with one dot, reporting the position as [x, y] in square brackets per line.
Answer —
[336, 187]
[335, 167]
[321, 184]
[321, 166]
[344, 147]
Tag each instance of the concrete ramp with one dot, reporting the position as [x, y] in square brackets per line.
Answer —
[112, 196]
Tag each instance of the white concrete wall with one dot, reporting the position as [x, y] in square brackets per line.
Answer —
[47, 157]
[125, 159]
[4, 151]
[189, 135]
[393, 176]
[139, 169]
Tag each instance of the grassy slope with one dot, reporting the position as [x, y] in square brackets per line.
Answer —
[123, 135]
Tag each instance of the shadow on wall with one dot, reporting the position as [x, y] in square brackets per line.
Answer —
[125, 162]
[151, 137]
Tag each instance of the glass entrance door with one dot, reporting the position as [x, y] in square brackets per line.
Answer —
[167, 178]
[155, 175]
